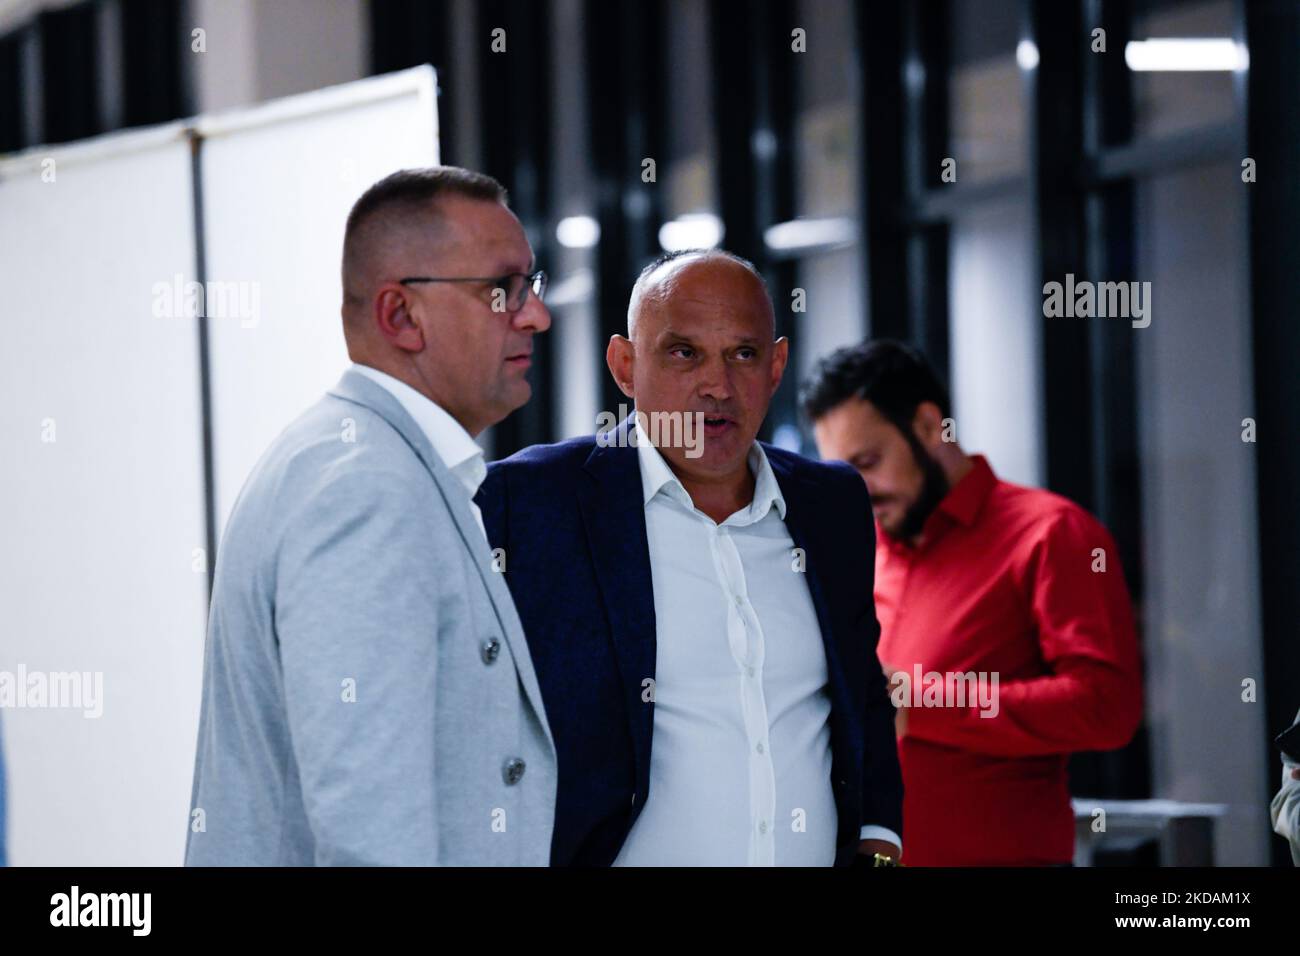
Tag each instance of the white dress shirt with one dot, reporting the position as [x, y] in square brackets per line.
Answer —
[458, 451]
[740, 765]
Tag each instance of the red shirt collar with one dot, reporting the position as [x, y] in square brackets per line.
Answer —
[964, 500]
[962, 504]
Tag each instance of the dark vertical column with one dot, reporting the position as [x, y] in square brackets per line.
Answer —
[1056, 119]
[625, 88]
[515, 127]
[1080, 102]
[94, 67]
[755, 96]
[745, 139]
[1272, 31]
[783, 87]
[1111, 226]
[887, 123]
[154, 62]
[13, 108]
[903, 58]
[1112, 255]
[927, 41]
[69, 41]
[407, 33]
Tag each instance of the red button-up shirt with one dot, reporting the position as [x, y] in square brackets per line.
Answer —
[1025, 584]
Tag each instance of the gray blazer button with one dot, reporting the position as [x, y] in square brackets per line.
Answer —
[513, 771]
[490, 650]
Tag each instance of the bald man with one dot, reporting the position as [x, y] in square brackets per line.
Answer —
[368, 696]
[700, 612]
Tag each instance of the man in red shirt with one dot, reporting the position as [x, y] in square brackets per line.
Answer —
[1006, 626]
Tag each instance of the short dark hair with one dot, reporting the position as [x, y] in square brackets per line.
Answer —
[892, 376]
[409, 192]
[409, 187]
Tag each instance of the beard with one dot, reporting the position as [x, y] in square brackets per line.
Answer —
[934, 487]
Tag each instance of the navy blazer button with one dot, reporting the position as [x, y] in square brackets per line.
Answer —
[513, 771]
[490, 650]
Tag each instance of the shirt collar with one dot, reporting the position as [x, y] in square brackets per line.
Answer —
[657, 477]
[458, 451]
[964, 500]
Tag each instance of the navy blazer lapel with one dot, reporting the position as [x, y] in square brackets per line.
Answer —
[613, 513]
[808, 535]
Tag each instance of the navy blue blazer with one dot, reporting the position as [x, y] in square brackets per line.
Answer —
[571, 520]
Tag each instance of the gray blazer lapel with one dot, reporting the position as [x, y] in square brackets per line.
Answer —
[355, 387]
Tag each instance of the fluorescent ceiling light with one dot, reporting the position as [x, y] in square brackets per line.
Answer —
[805, 234]
[1204, 55]
[577, 232]
[1027, 54]
[696, 230]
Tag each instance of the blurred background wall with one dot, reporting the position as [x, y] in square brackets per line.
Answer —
[916, 170]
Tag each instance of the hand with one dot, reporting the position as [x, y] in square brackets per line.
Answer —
[896, 677]
[1295, 774]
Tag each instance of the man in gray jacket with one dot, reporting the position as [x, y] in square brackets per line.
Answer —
[368, 696]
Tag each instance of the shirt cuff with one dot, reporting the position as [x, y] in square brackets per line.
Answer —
[882, 833]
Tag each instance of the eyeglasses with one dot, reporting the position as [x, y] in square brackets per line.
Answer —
[515, 285]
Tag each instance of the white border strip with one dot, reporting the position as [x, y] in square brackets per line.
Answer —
[418, 81]
[118, 143]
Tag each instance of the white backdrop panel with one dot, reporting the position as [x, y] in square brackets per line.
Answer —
[278, 184]
[100, 522]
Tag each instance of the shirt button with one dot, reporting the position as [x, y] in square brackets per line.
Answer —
[762, 826]
[513, 771]
[759, 748]
[490, 651]
[749, 671]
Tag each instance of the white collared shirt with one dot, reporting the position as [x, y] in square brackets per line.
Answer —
[740, 766]
[458, 451]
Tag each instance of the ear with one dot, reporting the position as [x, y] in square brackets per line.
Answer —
[620, 357]
[927, 423]
[391, 315]
[780, 355]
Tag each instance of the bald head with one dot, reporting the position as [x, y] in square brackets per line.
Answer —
[702, 342]
[690, 274]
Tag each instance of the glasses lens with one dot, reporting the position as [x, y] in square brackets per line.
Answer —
[539, 284]
[516, 291]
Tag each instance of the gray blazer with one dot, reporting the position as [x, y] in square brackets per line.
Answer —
[368, 697]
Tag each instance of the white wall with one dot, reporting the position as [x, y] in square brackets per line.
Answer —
[278, 182]
[995, 341]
